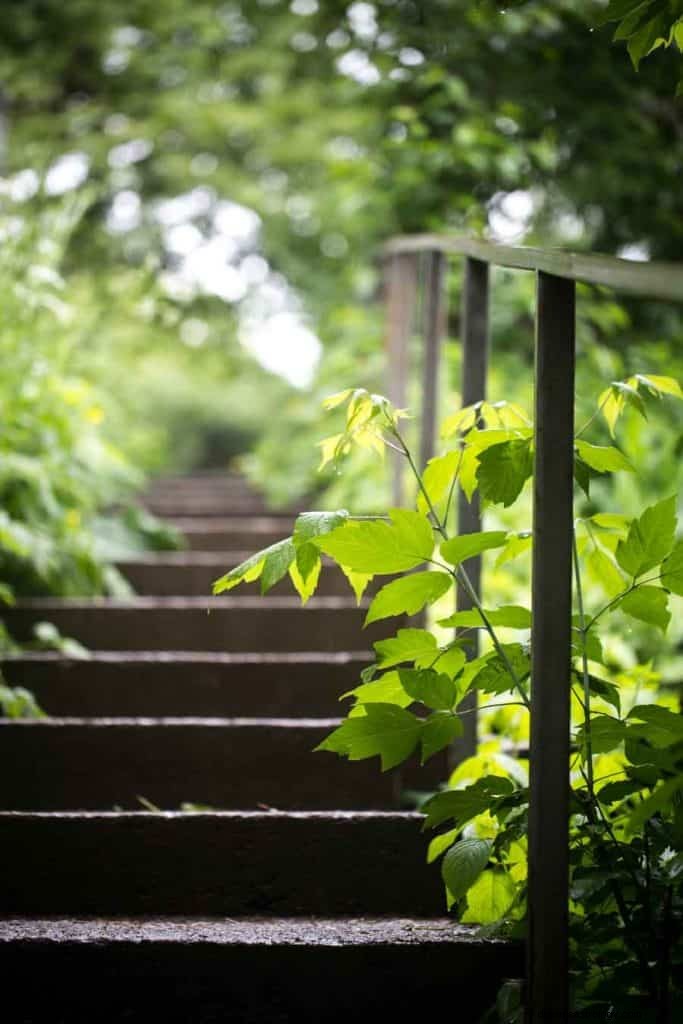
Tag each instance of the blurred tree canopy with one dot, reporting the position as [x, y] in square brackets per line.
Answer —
[338, 123]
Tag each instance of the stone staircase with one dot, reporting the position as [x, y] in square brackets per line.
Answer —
[170, 847]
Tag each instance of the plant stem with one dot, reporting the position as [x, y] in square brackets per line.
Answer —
[584, 665]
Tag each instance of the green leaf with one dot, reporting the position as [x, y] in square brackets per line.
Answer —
[650, 538]
[495, 677]
[461, 805]
[358, 581]
[271, 563]
[603, 460]
[407, 645]
[659, 800]
[606, 734]
[380, 547]
[618, 9]
[605, 572]
[409, 594]
[467, 545]
[614, 400]
[503, 470]
[439, 731]
[490, 898]
[451, 659]
[316, 524]
[516, 545]
[510, 616]
[672, 570]
[438, 477]
[305, 585]
[434, 689]
[385, 690]
[276, 564]
[646, 38]
[439, 844]
[660, 385]
[385, 730]
[602, 688]
[648, 604]
[463, 864]
[663, 727]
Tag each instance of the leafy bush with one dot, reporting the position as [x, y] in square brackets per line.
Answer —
[626, 769]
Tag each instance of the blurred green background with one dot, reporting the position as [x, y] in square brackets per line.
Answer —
[192, 203]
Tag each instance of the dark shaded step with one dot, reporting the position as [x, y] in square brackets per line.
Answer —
[201, 624]
[53, 764]
[198, 505]
[229, 863]
[193, 573]
[254, 971]
[233, 533]
[113, 684]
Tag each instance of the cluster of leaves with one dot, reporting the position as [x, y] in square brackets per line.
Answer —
[646, 25]
[626, 771]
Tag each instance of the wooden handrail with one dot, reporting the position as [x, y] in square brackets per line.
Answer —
[648, 279]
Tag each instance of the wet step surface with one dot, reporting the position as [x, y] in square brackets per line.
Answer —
[291, 887]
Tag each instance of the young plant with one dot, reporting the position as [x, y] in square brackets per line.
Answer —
[626, 770]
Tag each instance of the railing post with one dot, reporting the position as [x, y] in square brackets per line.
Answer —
[474, 332]
[400, 294]
[433, 329]
[548, 952]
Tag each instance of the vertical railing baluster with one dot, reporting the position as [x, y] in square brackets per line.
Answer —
[400, 296]
[547, 973]
[475, 345]
[433, 329]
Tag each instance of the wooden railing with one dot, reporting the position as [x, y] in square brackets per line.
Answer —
[408, 261]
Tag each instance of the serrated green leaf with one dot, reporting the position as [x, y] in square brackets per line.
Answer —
[451, 660]
[614, 399]
[650, 538]
[408, 595]
[463, 864]
[437, 478]
[385, 730]
[495, 677]
[385, 690]
[672, 570]
[276, 564]
[510, 616]
[467, 545]
[461, 805]
[358, 581]
[407, 645]
[648, 604]
[649, 35]
[602, 688]
[435, 689]
[380, 547]
[490, 898]
[503, 470]
[305, 586]
[439, 731]
[603, 459]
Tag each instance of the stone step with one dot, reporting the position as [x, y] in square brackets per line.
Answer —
[229, 623]
[209, 506]
[252, 970]
[147, 683]
[230, 863]
[103, 763]
[193, 573]
[233, 533]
